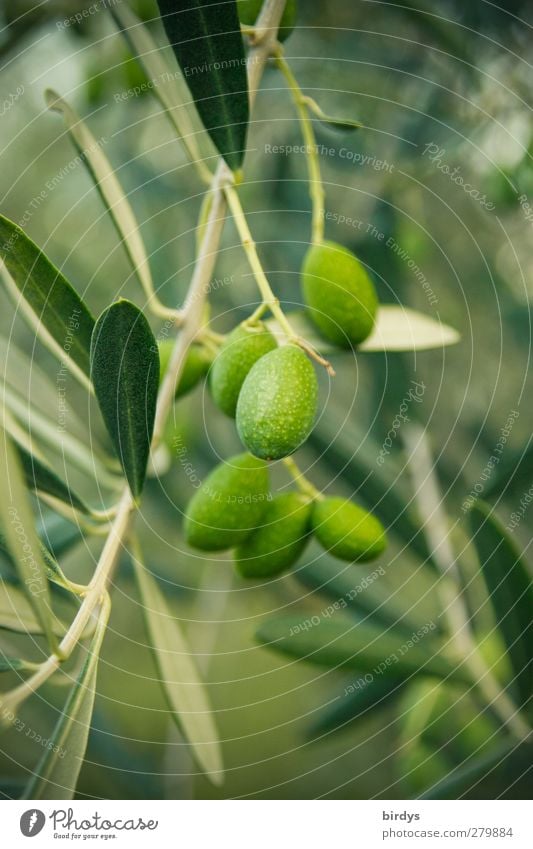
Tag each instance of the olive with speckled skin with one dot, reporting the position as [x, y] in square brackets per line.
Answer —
[240, 351]
[277, 405]
[340, 294]
[347, 531]
[278, 543]
[229, 505]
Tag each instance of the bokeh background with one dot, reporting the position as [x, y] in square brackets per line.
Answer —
[448, 77]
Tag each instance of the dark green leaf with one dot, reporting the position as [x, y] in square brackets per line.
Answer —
[17, 615]
[379, 491]
[50, 297]
[357, 702]
[460, 779]
[365, 648]
[510, 591]
[360, 588]
[125, 373]
[42, 479]
[56, 775]
[206, 38]
[185, 692]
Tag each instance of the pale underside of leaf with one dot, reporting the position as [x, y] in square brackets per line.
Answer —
[17, 615]
[181, 682]
[109, 188]
[397, 328]
[57, 773]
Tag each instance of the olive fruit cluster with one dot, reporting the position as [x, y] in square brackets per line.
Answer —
[271, 390]
[339, 293]
[234, 508]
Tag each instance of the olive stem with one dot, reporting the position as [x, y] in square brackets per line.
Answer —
[269, 298]
[96, 594]
[316, 188]
[304, 485]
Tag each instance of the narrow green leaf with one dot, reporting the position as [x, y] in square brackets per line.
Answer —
[21, 537]
[125, 373]
[41, 478]
[206, 38]
[358, 703]
[108, 187]
[360, 589]
[16, 613]
[510, 591]
[57, 773]
[168, 85]
[336, 123]
[185, 692]
[52, 302]
[366, 648]
[375, 487]
[53, 570]
[460, 779]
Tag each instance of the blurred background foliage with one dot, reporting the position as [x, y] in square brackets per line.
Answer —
[448, 74]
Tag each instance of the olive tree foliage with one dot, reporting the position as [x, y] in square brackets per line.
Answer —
[263, 374]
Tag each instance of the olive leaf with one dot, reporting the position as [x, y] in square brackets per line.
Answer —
[206, 39]
[168, 85]
[42, 478]
[108, 187]
[361, 593]
[377, 489]
[510, 591]
[185, 692]
[359, 700]
[125, 373]
[13, 664]
[16, 613]
[21, 537]
[397, 328]
[462, 777]
[341, 643]
[56, 774]
[48, 302]
[336, 123]
[53, 570]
